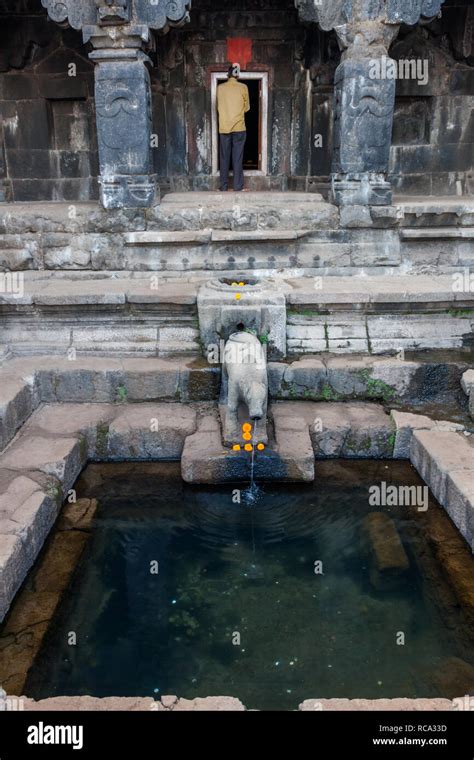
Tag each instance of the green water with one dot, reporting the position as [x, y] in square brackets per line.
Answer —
[236, 607]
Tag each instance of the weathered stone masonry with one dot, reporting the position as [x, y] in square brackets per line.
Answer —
[149, 83]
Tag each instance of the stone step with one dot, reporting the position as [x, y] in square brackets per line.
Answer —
[222, 232]
[155, 315]
[252, 199]
[25, 383]
[42, 290]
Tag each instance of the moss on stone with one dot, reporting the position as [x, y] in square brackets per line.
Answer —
[460, 312]
[55, 492]
[329, 394]
[380, 389]
[122, 394]
[102, 439]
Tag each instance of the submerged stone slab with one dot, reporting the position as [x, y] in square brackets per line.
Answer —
[387, 557]
[35, 606]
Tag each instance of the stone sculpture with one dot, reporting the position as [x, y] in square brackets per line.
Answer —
[244, 380]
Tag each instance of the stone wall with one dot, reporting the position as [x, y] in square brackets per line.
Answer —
[47, 120]
[433, 131]
[181, 86]
[48, 147]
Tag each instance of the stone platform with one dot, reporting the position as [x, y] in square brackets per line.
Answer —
[135, 314]
[268, 231]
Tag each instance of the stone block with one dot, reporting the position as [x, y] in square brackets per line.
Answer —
[460, 502]
[371, 435]
[66, 383]
[150, 431]
[304, 378]
[387, 557]
[150, 380]
[347, 377]
[467, 381]
[62, 458]
[437, 454]
[17, 402]
[406, 423]
[13, 569]
[329, 430]
[71, 419]
[294, 447]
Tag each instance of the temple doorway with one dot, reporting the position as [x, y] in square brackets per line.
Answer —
[256, 146]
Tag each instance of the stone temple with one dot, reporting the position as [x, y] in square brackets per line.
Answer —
[124, 271]
[358, 163]
[116, 99]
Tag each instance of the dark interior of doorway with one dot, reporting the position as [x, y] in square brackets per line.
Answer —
[252, 122]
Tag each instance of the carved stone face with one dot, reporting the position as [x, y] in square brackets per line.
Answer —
[113, 11]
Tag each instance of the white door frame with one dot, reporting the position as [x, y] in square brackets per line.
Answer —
[217, 76]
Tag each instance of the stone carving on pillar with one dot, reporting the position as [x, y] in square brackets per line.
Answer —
[363, 115]
[111, 12]
[363, 103]
[119, 32]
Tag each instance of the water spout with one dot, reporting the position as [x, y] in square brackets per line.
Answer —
[244, 384]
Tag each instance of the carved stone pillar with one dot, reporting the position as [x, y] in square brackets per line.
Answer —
[363, 115]
[364, 93]
[119, 31]
[123, 115]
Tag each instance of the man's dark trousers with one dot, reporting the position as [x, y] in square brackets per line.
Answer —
[232, 144]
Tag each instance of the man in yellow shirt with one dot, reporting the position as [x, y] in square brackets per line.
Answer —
[232, 105]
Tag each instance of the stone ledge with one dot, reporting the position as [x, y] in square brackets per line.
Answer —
[177, 237]
[167, 703]
[370, 705]
[174, 703]
[445, 461]
[407, 423]
[436, 233]
[27, 382]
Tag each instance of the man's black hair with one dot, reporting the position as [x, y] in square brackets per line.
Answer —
[233, 71]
